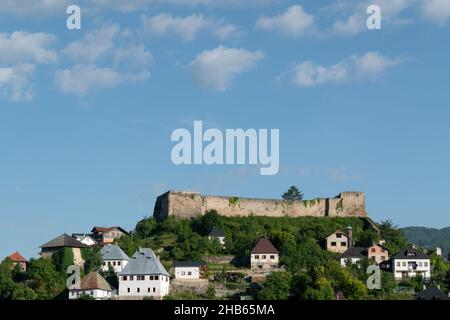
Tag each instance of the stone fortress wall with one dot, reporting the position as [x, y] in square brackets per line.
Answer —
[184, 205]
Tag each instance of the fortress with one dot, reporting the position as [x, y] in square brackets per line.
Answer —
[185, 205]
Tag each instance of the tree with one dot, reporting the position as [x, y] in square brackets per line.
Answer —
[43, 278]
[111, 277]
[145, 228]
[293, 193]
[92, 259]
[62, 259]
[276, 287]
[7, 284]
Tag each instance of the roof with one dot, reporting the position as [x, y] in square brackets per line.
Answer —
[64, 240]
[336, 232]
[113, 252]
[410, 253]
[187, 264]
[264, 246]
[17, 257]
[353, 252]
[93, 280]
[106, 229]
[216, 232]
[432, 293]
[380, 245]
[143, 262]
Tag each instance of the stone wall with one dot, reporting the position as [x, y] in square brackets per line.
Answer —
[190, 204]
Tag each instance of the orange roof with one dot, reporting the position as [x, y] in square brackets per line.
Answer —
[17, 257]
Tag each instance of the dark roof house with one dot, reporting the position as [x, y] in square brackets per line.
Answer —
[410, 253]
[264, 246]
[63, 241]
[432, 293]
[216, 232]
[353, 252]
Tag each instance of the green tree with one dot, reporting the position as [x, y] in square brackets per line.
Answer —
[111, 277]
[276, 287]
[62, 259]
[293, 193]
[145, 228]
[7, 285]
[92, 259]
[43, 278]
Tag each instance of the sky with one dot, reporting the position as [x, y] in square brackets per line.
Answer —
[86, 115]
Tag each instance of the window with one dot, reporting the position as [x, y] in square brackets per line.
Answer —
[403, 264]
[343, 244]
[256, 256]
[189, 273]
[156, 277]
[272, 257]
[183, 273]
[109, 263]
[339, 236]
[151, 277]
[128, 290]
[263, 256]
[124, 278]
[373, 250]
[138, 277]
[138, 290]
[114, 263]
[104, 263]
[398, 263]
[148, 289]
[420, 264]
[333, 244]
[154, 289]
[131, 278]
[118, 263]
[383, 258]
[425, 264]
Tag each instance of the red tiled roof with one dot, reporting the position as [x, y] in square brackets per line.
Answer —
[264, 246]
[17, 257]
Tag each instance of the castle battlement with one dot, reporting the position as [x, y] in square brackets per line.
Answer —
[184, 204]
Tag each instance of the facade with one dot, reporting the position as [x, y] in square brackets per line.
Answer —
[63, 241]
[378, 253]
[264, 255]
[352, 256]
[113, 255]
[94, 285]
[18, 260]
[187, 270]
[411, 262]
[105, 235]
[217, 233]
[85, 239]
[337, 242]
[144, 276]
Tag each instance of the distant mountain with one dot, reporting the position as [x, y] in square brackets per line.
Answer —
[429, 237]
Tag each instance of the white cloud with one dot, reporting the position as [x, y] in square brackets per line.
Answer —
[20, 47]
[186, 28]
[93, 45]
[217, 68]
[293, 22]
[102, 61]
[15, 82]
[436, 10]
[80, 79]
[369, 66]
[33, 7]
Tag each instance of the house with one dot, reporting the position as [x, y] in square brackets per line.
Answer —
[94, 285]
[189, 270]
[217, 233]
[85, 238]
[432, 293]
[378, 253]
[411, 262]
[105, 235]
[338, 241]
[264, 255]
[144, 276]
[18, 260]
[63, 241]
[353, 255]
[113, 255]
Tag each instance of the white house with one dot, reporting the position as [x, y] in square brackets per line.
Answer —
[85, 238]
[144, 276]
[114, 256]
[94, 285]
[352, 256]
[264, 255]
[188, 270]
[411, 262]
[217, 233]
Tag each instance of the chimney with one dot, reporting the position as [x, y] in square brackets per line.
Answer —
[350, 236]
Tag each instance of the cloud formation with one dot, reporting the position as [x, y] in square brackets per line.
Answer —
[15, 82]
[217, 68]
[369, 66]
[293, 22]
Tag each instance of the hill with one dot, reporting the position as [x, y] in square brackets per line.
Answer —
[429, 237]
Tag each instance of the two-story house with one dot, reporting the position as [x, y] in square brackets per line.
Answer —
[144, 276]
[113, 255]
[217, 233]
[377, 253]
[264, 255]
[93, 285]
[411, 262]
[18, 260]
[105, 235]
[337, 242]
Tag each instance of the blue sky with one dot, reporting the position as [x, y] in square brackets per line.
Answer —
[86, 115]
